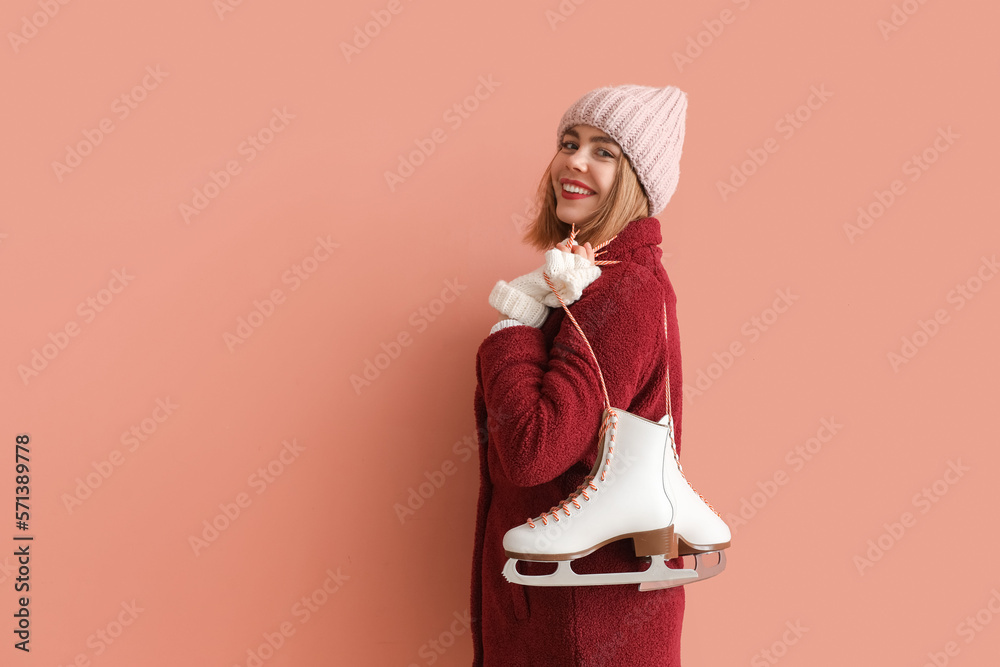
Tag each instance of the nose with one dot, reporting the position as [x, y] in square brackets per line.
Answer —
[577, 161]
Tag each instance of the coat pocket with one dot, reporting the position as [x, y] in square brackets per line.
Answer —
[519, 597]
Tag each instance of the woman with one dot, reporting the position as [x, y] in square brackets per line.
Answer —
[538, 399]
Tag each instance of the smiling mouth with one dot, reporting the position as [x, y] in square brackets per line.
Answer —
[569, 187]
[571, 191]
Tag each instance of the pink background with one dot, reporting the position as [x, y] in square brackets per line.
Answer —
[823, 549]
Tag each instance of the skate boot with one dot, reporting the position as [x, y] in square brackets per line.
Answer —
[698, 528]
[635, 490]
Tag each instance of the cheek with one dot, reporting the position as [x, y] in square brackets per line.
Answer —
[557, 166]
[605, 181]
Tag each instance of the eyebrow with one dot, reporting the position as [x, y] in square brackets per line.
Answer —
[600, 139]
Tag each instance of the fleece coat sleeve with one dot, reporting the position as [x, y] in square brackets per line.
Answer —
[545, 409]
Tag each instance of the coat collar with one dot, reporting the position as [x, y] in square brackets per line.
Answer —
[638, 233]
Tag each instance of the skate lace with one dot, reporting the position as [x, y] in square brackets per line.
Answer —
[581, 490]
[597, 248]
[610, 414]
[681, 469]
[673, 445]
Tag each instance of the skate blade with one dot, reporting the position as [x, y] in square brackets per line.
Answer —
[700, 572]
[657, 576]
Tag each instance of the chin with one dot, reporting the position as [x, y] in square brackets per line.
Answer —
[573, 217]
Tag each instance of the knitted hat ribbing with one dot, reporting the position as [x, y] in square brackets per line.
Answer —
[647, 122]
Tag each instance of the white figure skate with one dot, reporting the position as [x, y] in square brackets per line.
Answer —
[636, 490]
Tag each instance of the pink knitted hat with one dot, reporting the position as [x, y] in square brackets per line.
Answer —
[647, 122]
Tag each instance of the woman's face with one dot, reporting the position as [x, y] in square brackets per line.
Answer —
[586, 164]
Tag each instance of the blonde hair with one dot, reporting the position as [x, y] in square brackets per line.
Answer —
[626, 201]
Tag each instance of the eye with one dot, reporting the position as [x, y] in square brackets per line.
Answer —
[606, 152]
[567, 144]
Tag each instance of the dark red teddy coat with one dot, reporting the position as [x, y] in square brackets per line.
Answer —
[538, 405]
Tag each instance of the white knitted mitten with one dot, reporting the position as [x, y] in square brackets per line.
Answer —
[520, 299]
[528, 298]
[570, 274]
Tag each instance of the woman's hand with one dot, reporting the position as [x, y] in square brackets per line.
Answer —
[585, 250]
[527, 298]
[570, 269]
